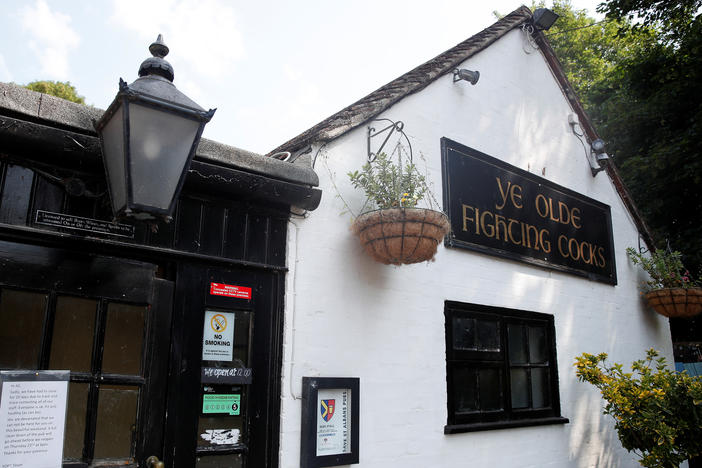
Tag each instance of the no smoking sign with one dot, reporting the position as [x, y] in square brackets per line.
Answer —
[218, 336]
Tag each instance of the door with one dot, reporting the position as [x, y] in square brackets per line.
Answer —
[228, 324]
[108, 321]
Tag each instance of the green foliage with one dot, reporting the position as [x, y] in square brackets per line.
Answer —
[670, 17]
[390, 185]
[651, 117]
[665, 269]
[63, 90]
[638, 75]
[587, 50]
[657, 412]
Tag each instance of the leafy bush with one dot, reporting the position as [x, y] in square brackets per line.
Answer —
[665, 269]
[657, 412]
[390, 185]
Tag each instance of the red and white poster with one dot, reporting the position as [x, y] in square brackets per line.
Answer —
[230, 290]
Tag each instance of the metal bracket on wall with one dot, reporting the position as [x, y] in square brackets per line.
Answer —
[642, 249]
[394, 126]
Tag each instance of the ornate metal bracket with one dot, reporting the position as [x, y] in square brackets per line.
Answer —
[392, 128]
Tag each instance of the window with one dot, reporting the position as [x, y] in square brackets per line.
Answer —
[500, 368]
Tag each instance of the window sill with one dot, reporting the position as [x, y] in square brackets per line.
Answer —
[488, 426]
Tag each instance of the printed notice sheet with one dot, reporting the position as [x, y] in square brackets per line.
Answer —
[32, 418]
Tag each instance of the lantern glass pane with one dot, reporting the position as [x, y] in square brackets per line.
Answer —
[160, 143]
[113, 141]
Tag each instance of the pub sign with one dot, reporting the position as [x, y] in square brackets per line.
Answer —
[499, 209]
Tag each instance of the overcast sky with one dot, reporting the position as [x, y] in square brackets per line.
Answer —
[271, 68]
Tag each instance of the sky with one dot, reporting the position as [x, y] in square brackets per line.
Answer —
[271, 68]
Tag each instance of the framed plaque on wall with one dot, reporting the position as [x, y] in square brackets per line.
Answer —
[330, 420]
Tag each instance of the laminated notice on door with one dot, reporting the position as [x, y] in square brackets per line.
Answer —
[230, 290]
[218, 336]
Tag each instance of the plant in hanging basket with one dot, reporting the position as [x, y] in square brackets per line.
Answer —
[671, 291]
[397, 232]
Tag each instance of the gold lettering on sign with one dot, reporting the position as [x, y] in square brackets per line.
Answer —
[581, 251]
[558, 212]
[514, 192]
[495, 225]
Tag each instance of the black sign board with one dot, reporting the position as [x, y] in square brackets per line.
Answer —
[499, 209]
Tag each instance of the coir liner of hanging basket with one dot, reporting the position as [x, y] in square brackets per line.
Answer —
[401, 235]
[676, 302]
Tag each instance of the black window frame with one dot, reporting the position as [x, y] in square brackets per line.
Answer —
[475, 359]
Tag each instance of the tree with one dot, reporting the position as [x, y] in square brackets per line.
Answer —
[637, 75]
[63, 90]
[652, 115]
[588, 51]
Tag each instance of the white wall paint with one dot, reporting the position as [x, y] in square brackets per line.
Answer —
[349, 316]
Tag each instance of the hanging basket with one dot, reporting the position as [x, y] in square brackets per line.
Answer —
[400, 236]
[676, 302]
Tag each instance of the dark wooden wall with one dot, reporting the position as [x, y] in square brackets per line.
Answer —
[203, 225]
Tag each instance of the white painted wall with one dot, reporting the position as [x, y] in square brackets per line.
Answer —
[349, 316]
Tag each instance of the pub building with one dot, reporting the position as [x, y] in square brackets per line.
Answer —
[228, 317]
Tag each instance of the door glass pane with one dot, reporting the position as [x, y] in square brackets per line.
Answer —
[517, 344]
[21, 322]
[520, 389]
[464, 389]
[72, 342]
[75, 420]
[463, 333]
[124, 338]
[242, 329]
[488, 335]
[490, 389]
[539, 387]
[537, 345]
[116, 421]
[214, 461]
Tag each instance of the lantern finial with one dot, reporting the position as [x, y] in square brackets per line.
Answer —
[159, 48]
[156, 65]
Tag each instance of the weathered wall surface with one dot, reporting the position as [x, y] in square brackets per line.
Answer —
[349, 316]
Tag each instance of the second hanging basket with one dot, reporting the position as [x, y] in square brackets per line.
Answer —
[676, 302]
[401, 236]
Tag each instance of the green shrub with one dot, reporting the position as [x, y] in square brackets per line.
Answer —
[657, 412]
[665, 269]
[390, 185]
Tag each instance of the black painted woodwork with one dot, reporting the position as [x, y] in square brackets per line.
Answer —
[229, 226]
[107, 280]
[498, 359]
[232, 230]
[260, 445]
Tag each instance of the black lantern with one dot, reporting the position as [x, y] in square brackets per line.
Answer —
[149, 135]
